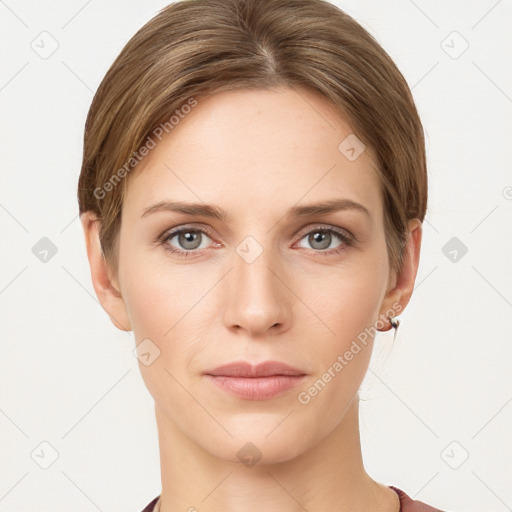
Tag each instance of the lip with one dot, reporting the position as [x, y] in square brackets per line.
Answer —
[255, 382]
[244, 369]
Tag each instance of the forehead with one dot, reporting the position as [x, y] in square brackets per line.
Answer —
[256, 151]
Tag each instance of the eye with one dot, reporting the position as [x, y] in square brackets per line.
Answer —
[188, 240]
[321, 238]
[192, 240]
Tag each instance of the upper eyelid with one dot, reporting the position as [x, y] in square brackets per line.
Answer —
[326, 227]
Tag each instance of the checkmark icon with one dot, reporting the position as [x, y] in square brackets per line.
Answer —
[454, 45]
[454, 455]
[44, 455]
[44, 45]
[249, 249]
[146, 351]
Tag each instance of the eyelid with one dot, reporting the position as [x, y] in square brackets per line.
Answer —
[326, 227]
[183, 227]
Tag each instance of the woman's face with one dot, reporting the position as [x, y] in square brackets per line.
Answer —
[265, 283]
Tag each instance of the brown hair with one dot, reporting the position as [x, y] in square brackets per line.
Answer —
[195, 47]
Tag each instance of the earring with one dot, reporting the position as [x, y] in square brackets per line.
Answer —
[395, 322]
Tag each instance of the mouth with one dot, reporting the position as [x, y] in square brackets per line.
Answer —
[261, 382]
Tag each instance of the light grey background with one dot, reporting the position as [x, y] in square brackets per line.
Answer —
[68, 376]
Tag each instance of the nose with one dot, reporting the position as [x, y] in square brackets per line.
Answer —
[257, 299]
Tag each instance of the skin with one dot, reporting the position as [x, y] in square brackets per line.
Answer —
[256, 154]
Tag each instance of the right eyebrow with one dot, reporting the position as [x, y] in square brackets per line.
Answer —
[194, 209]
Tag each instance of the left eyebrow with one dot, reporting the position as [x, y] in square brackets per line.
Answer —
[327, 207]
[215, 212]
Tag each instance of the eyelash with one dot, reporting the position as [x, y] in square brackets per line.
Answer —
[348, 240]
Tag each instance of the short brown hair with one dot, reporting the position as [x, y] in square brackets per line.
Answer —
[195, 47]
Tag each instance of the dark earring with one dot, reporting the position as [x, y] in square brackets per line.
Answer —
[395, 322]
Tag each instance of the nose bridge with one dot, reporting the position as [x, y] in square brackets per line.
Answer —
[255, 260]
[256, 294]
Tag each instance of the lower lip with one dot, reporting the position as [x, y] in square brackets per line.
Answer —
[256, 388]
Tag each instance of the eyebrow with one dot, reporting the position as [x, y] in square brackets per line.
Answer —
[215, 212]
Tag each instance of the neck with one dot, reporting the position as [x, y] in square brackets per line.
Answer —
[328, 477]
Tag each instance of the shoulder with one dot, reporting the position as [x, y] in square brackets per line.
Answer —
[407, 504]
[150, 506]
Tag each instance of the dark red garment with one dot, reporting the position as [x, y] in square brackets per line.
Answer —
[151, 506]
[407, 504]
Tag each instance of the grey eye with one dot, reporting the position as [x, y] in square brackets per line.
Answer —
[188, 239]
[321, 239]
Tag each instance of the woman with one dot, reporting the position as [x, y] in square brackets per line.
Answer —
[252, 195]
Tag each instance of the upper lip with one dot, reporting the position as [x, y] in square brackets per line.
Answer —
[245, 369]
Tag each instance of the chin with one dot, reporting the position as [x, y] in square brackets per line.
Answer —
[260, 441]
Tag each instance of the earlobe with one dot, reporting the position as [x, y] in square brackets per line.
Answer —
[107, 292]
[397, 298]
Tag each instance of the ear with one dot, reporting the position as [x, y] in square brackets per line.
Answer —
[106, 290]
[399, 294]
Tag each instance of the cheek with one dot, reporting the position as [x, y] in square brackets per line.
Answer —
[349, 308]
[151, 304]
[342, 358]
[350, 302]
[160, 300]
[157, 293]
[168, 304]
